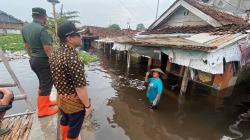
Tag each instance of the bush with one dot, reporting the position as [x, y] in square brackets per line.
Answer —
[86, 58]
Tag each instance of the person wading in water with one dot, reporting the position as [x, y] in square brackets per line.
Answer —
[155, 87]
[69, 80]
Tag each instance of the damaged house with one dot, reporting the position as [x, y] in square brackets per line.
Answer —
[197, 42]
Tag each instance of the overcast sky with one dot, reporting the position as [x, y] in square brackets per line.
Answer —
[94, 12]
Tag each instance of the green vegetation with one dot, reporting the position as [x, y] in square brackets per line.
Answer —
[11, 42]
[86, 58]
[61, 18]
[140, 27]
[115, 26]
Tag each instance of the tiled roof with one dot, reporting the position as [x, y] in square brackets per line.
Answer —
[171, 42]
[226, 29]
[107, 32]
[219, 15]
[230, 23]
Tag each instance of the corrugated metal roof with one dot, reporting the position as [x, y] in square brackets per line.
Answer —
[201, 42]
[216, 40]
[171, 42]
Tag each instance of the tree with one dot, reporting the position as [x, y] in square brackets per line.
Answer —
[140, 27]
[115, 26]
[60, 18]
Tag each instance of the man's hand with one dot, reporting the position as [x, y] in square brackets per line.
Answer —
[146, 78]
[155, 102]
[48, 49]
[88, 111]
[27, 48]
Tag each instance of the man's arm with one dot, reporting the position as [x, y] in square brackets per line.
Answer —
[48, 49]
[160, 89]
[146, 77]
[46, 40]
[7, 95]
[83, 95]
[27, 48]
[156, 99]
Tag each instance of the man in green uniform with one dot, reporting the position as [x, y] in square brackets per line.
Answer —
[38, 44]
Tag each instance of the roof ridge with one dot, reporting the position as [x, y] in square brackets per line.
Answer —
[2, 12]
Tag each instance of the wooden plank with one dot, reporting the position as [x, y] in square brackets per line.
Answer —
[20, 97]
[20, 127]
[28, 128]
[19, 114]
[7, 85]
[24, 126]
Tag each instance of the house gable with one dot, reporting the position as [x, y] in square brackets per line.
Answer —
[182, 3]
[183, 17]
[5, 18]
[200, 13]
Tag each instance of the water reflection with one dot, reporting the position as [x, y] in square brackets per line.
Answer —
[121, 112]
[199, 115]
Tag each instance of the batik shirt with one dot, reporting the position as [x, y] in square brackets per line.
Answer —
[68, 74]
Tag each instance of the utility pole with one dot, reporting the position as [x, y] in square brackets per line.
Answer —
[157, 10]
[247, 15]
[54, 2]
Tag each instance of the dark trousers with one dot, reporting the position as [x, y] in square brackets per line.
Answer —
[41, 68]
[74, 121]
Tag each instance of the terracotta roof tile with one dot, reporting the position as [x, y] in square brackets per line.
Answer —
[108, 32]
[219, 15]
[226, 29]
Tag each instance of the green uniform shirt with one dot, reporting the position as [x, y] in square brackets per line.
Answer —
[36, 35]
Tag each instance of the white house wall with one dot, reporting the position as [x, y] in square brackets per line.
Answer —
[183, 17]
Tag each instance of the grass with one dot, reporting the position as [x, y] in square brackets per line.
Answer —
[11, 42]
[14, 43]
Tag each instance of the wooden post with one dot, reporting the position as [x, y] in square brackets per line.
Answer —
[54, 14]
[117, 55]
[185, 81]
[110, 51]
[128, 59]
[149, 63]
[104, 46]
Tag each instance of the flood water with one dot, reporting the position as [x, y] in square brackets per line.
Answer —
[121, 113]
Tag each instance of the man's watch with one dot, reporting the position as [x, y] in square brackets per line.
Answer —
[88, 106]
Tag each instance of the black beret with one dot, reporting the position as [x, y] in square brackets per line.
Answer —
[39, 11]
[66, 29]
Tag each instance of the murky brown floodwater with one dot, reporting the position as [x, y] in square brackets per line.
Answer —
[121, 113]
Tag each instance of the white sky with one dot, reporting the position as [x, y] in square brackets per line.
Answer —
[94, 12]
